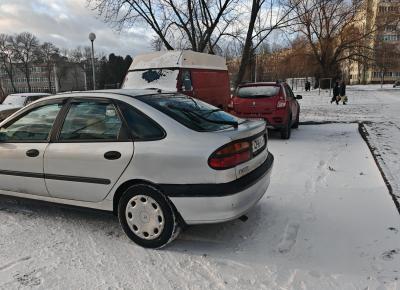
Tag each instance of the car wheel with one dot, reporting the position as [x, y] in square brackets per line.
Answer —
[285, 132]
[147, 217]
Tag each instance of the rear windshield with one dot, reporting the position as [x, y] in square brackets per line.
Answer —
[164, 79]
[192, 113]
[15, 100]
[258, 92]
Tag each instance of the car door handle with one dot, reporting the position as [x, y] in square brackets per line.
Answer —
[112, 155]
[32, 153]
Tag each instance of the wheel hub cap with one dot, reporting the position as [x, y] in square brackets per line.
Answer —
[144, 217]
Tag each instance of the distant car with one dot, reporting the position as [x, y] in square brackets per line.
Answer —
[396, 84]
[273, 102]
[14, 102]
[159, 161]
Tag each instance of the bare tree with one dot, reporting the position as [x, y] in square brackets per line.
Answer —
[7, 58]
[266, 16]
[333, 31]
[48, 54]
[193, 24]
[25, 46]
[61, 69]
[387, 57]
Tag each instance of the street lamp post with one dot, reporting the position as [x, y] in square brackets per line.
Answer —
[92, 37]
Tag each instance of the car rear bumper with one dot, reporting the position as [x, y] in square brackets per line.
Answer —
[222, 202]
[277, 120]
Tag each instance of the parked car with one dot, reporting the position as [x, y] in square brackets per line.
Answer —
[195, 74]
[14, 102]
[273, 102]
[396, 84]
[158, 161]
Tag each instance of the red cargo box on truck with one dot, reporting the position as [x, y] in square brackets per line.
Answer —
[200, 75]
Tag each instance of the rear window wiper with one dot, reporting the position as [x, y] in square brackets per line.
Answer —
[208, 113]
[221, 122]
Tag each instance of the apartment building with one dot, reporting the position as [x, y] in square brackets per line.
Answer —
[382, 46]
[66, 77]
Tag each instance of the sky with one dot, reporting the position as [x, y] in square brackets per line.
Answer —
[67, 24]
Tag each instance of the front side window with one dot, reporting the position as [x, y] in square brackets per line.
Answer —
[90, 120]
[186, 81]
[33, 126]
[31, 99]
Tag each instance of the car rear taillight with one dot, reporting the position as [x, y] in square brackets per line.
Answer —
[230, 104]
[281, 104]
[230, 155]
[282, 101]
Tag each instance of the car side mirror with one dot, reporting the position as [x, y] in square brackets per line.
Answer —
[187, 85]
[299, 97]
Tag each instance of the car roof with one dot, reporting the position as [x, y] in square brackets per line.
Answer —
[178, 59]
[126, 92]
[261, 84]
[29, 94]
[112, 93]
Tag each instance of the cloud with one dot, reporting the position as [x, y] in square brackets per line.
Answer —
[67, 24]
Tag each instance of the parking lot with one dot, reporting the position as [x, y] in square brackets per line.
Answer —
[327, 222]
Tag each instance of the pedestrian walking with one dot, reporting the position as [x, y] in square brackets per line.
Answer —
[307, 86]
[342, 93]
[336, 93]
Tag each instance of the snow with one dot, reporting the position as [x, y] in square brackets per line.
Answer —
[178, 59]
[326, 222]
[378, 107]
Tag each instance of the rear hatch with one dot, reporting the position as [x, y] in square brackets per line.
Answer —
[254, 101]
[255, 133]
[202, 117]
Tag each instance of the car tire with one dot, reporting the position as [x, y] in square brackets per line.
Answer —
[286, 132]
[296, 124]
[147, 216]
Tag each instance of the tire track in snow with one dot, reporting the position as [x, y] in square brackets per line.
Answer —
[13, 263]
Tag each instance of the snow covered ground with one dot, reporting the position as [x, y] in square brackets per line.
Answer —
[327, 221]
[378, 107]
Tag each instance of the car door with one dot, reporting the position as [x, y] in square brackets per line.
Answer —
[292, 102]
[23, 141]
[90, 152]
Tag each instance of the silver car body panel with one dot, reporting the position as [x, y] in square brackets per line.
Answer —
[202, 210]
[180, 158]
[13, 159]
[85, 160]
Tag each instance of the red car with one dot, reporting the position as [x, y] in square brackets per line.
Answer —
[273, 102]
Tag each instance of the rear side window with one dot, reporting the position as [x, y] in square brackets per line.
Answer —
[192, 113]
[289, 92]
[142, 128]
[258, 92]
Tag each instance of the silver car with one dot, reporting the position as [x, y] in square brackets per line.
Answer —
[159, 161]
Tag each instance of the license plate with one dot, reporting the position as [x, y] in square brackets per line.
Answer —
[258, 143]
